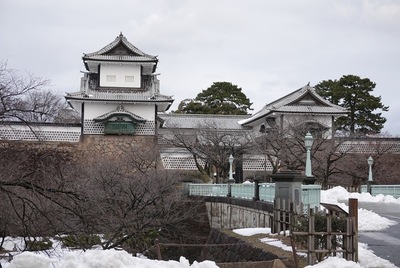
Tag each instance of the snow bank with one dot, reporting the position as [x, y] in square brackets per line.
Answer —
[30, 260]
[367, 220]
[252, 231]
[99, 259]
[339, 194]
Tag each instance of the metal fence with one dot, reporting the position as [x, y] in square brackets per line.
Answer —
[393, 190]
[311, 194]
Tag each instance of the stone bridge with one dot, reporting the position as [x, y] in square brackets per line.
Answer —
[251, 205]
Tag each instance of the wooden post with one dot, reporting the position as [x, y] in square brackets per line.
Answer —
[329, 234]
[292, 221]
[311, 231]
[158, 250]
[294, 252]
[353, 213]
[283, 216]
[277, 216]
[345, 243]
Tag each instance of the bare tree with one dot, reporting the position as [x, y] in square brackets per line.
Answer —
[33, 188]
[327, 159]
[25, 98]
[47, 192]
[354, 166]
[285, 149]
[49, 107]
[335, 160]
[210, 147]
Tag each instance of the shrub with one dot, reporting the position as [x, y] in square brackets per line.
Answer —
[338, 224]
[37, 245]
[80, 241]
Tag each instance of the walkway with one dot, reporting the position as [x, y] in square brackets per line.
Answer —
[385, 243]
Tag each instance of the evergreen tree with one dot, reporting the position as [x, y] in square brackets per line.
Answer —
[364, 109]
[219, 98]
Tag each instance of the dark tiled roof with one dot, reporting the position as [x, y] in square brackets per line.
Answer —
[307, 109]
[291, 103]
[127, 58]
[134, 96]
[134, 54]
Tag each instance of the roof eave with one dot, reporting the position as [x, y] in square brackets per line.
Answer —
[85, 59]
[120, 39]
[139, 120]
[119, 101]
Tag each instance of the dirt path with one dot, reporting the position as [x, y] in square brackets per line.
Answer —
[285, 256]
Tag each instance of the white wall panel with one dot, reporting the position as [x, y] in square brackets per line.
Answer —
[120, 72]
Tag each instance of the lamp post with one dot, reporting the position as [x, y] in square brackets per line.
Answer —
[370, 162]
[308, 142]
[230, 179]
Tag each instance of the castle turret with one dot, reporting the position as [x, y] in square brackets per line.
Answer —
[120, 92]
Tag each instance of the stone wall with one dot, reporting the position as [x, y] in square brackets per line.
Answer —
[114, 146]
[91, 147]
[230, 213]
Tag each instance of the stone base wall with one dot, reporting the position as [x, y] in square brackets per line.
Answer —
[91, 147]
[114, 146]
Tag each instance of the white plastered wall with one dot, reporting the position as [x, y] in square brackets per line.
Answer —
[120, 71]
[290, 120]
[93, 110]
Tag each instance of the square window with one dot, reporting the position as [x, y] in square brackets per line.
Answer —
[129, 79]
[111, 78]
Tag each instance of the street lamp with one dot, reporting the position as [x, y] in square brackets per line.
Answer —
[308, 142]
[370, 162]
[230, 169]
[230, 179]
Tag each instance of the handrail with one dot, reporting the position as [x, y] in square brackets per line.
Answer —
[311, 194]
[393, 190]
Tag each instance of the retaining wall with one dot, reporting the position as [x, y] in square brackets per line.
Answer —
[231, 213]
[91, 147]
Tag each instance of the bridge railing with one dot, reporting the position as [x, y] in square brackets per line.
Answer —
[393, 190]
[311, 194]
[206, 189]
[267, 192]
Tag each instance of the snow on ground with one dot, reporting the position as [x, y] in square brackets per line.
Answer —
[339, 194]
[252, 231]
[367, 221]
[367, 259]
[98, 259]
[60, 258]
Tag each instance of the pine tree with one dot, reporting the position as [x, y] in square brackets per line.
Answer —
[219, 98]
[364, 109]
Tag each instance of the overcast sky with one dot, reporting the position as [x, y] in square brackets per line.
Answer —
[268, 48]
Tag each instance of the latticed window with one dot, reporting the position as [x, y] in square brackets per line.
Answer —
[119, 127]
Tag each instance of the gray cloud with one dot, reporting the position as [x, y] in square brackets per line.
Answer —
[269, 48]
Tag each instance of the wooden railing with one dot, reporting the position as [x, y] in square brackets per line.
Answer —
[335, 233]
